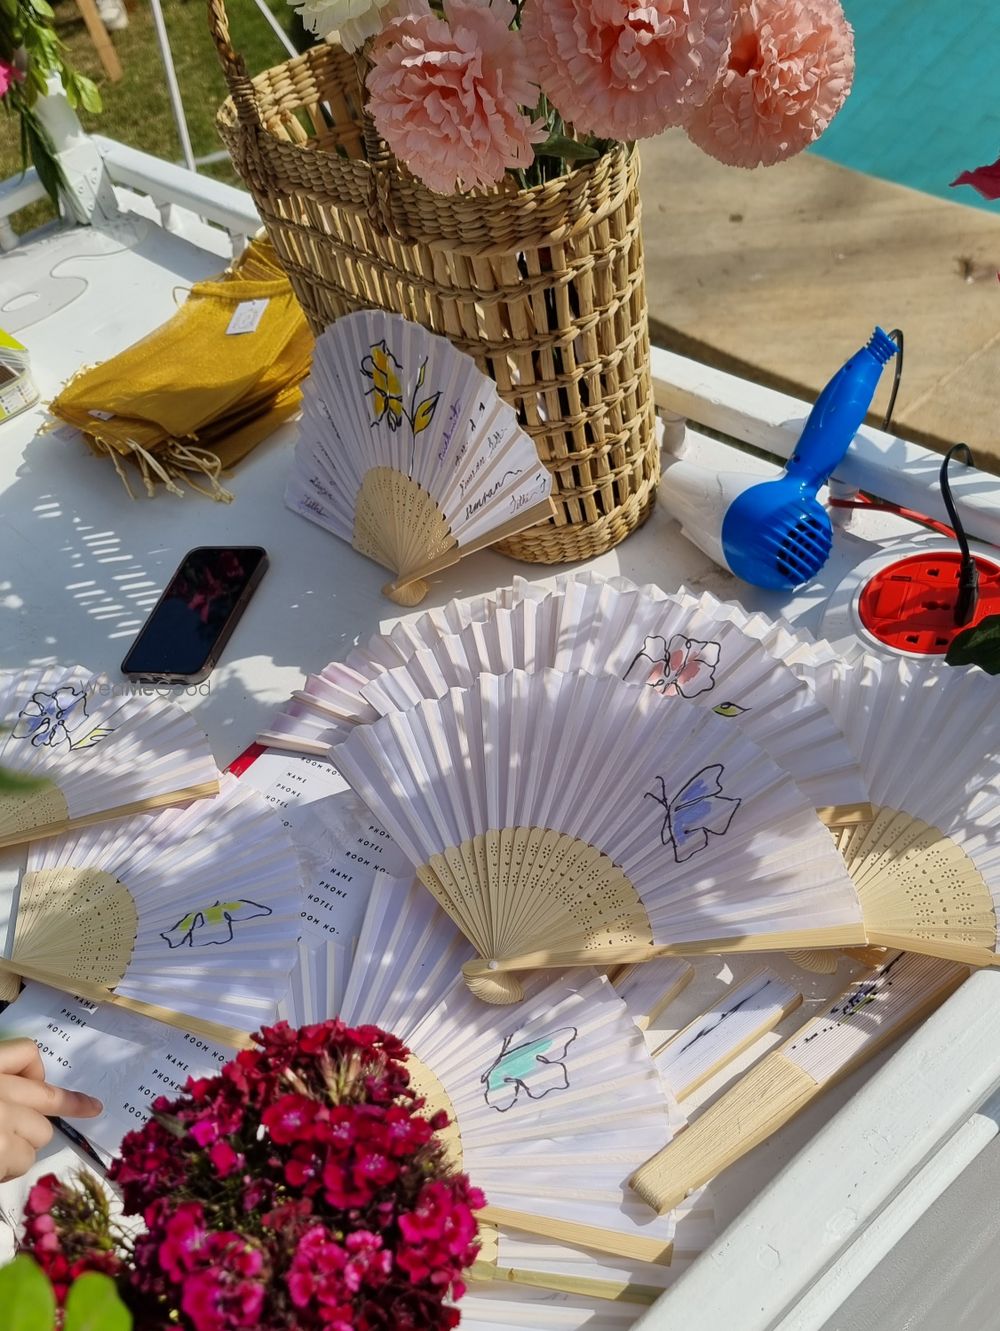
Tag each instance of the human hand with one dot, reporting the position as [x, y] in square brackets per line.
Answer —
[27, 1102]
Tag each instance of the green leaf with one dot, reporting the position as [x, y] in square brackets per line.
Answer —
[93, 1305]
[44, 159]
[979, 646]
[26, 1297]
[9, 7]
[558, 145]
[42, 7]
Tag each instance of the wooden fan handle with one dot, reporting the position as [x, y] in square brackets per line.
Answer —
[406, 593]
[501, 988]
[769, 1095]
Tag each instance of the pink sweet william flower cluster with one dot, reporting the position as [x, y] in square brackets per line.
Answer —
[463, 91]
[302, 1189]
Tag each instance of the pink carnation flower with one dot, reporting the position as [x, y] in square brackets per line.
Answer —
[790, 71]
[446, 94]
[627, 69]
[9, 75]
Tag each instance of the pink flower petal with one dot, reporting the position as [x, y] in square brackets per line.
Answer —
[789, 72]
[627, 69]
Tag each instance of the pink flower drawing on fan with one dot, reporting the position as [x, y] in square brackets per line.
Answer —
[446, 94]
[627, 69]
[789, 73]
[683, 667]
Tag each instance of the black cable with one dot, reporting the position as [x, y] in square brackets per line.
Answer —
[897, 373]
[968, 578]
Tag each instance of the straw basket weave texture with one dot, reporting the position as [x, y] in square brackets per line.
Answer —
[543, 287]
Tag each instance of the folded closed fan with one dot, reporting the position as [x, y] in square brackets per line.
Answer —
[91, 751]
[567, 819]
[406, 450]
[194, 911]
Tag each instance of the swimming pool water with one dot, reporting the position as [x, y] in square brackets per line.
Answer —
[926, 98]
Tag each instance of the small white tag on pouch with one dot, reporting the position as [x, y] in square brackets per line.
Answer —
[246, 316]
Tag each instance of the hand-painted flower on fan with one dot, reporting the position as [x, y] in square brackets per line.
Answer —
[354, 21]
[447, 94]
[789, 72]
[43, 718]
[684, 666]
[627, 69]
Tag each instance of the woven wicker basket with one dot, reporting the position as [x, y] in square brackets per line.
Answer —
[542, 287]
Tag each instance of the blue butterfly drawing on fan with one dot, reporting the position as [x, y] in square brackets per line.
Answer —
[535, 1068]
[212, 924]
[698, 809]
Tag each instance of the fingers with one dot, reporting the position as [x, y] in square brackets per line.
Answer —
[20, 1058]
[52, 1101]
[17, 1155]
[28, 1124]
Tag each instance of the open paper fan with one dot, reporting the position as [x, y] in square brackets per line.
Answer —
[407, 450]
[660, 641]
[927, 865]
[564, 1073]
[326, 709]
[568, 819]
[194, 911]
[102, 752]
[589, 623]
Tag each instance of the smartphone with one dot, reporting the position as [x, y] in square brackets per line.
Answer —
[183, 638]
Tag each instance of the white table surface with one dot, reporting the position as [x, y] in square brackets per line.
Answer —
[81, 564]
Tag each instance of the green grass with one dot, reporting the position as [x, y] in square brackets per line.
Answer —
[137, 108]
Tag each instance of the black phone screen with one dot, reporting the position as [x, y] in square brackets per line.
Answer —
[196, 612]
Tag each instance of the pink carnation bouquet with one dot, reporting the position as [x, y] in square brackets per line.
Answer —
[302, 1189]
[466, 92]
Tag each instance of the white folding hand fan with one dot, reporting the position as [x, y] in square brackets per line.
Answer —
[193, 911]
[568, 819]
[538, 1097]
[101, 750]
[600, 626]
[407, 450]
[500, 1308]
[927, 866]
[664, 642]
[327, 707]
[873, 1010]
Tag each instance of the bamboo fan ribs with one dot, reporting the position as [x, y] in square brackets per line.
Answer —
[565, 819]
[407, 451]
[194, 911]
[927, 865]
[93, 752]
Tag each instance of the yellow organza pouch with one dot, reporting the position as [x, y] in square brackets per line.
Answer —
[196, 395]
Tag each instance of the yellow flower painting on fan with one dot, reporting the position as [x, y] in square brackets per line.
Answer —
[386, 393]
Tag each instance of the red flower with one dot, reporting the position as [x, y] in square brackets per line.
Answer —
[301, 1189]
